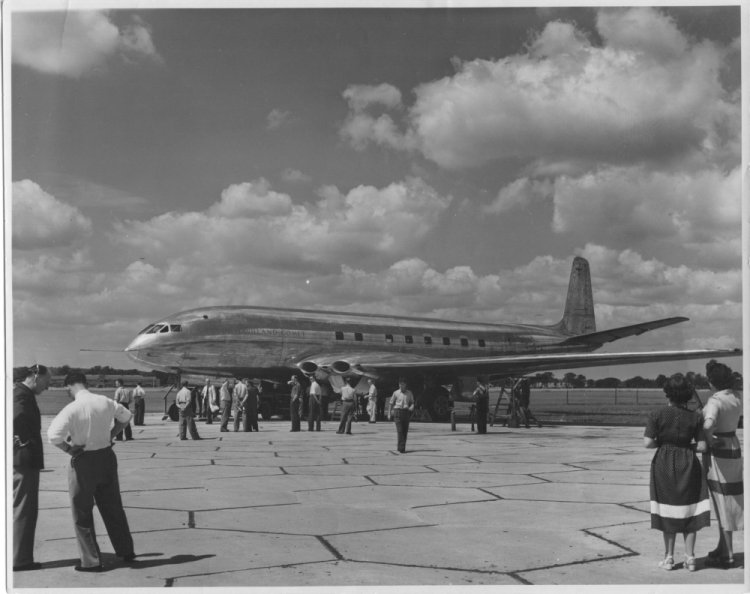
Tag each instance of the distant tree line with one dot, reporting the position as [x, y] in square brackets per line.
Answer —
[573, 380]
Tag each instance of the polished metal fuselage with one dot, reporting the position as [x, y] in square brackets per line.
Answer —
[251, 340]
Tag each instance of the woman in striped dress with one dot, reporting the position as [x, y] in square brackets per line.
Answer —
[724, 473]
[679, 497]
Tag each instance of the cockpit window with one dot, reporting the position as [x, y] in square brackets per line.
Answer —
[155, 328]
[146, 329]
[164, 329]
[175, 328]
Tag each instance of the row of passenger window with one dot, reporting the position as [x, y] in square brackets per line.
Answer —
[409, 339]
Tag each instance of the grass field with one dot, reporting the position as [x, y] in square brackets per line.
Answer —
[553, 406]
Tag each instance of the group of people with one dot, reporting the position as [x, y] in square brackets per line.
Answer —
[682, 489]
[84, 429]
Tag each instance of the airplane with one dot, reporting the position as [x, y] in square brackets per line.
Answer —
[272, 343]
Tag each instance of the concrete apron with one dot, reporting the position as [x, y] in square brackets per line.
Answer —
[551, 506]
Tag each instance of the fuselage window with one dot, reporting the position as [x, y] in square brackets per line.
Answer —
[389, 338]
[428, 339]
[446, 340]
[155, 328]
[464, 342]
[175, 328]
[339, 335]
[408, 339]
[164, 329]
[358, 336]
[481, 342]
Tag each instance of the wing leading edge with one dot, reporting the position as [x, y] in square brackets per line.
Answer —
[510, 365]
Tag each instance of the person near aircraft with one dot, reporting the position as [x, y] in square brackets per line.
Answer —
[225, 396]
[482, 402]
[254, 390]
[315, 405]
[85, 429]
[523, 400]
[678, 491]
[123, 396]
[139, 404]
[372, 400]
[721, 415]
[295, 402]
[400, 409]
[210, 406]
[240, 397]
[348, 396]
[28, 461]
[184, 402]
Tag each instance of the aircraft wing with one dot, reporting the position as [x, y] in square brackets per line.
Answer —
[377, 364]
[596, 339]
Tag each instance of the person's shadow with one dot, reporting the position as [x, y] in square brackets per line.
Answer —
[111, 561]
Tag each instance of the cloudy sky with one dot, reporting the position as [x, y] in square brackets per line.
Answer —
[445, 163]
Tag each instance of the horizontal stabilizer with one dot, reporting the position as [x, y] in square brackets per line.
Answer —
[597, 339]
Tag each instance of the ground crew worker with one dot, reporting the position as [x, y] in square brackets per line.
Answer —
[400, 408]
[482, 399]
[225, 395]
[295, 403]
[254, 389]
[315, 405]
[347, 408]
[123, 396]
[184, 401]
[139, 404]
[240, 396]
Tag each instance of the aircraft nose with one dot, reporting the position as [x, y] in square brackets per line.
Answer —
[137, 343]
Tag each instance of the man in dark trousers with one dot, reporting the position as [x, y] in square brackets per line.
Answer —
[315, 405]
[399, 409]
[251, 404]
[184, 402]
[482, 400]
[295, 403]
[85, 429]
[28, 461]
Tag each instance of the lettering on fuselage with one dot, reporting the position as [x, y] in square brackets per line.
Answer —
[274, 332]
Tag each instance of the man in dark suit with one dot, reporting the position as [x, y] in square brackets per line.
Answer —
[28, 461]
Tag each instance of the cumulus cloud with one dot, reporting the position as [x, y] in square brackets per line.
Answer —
[42, 221]
[276, 118]
[263, 227]
[76, 43]
[295, 176]
[566, 98]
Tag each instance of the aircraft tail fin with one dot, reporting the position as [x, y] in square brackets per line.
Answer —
[578, 317]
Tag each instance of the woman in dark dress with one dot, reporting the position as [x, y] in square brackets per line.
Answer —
[679, 496]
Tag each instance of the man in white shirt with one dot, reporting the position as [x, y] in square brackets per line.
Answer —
[372, 400]
[225, 393]
[139, 404]
[347, 408]
[315, 405]
[123, 396]
[85, 429]
[210, 406]
[184, 402]
[240, 396]
[400, 409]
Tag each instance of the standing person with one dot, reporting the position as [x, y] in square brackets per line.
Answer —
[139, 404]
[678, 492]
[721, 415]
[399, 409]
[123, 396]
[380, 411]
[28, 461]
[184, 401]
[482, 398]
[295, 402]
[372, 400]
[347, 407]
[84, 429]
[254, 389]
[225, 396]
[315, 405]
[210, 405]
[196, 401]
[240, 396]
[523, 394]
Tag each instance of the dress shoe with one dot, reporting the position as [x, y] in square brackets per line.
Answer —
[28, 566]
[92, 569]
[129, 558]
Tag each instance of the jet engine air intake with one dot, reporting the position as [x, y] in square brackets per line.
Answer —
[308, 367]
[341, 367]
